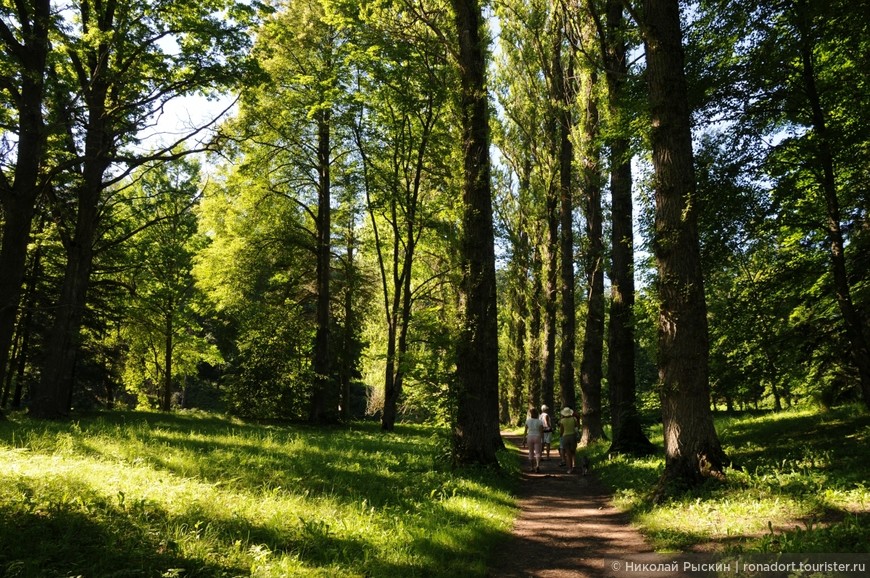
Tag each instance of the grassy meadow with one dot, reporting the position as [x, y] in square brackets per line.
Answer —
[146, 494]
[800, 483]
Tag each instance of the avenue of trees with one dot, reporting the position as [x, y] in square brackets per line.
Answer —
[438, 210]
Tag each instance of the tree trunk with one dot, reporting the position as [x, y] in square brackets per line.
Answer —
[563, 95]
[321, 410]
[22, 333]
[53, 397]
[14, 356]
[593, 338]
[167, 363]
[18, 213]
[397, 347]
[19, 197]
[517, 387]
[346, 370]
[692, 447]
[536, 345]
[404, 250]
[388, 418]
[476, 433]
[860, 350]
[626, 431]
[548, 356]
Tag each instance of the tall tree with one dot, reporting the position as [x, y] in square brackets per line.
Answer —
[294, 129]
[692, 447]
[519, 138]
[626, 432]
[593, 337]
[123, 75]
[579, 36]
[400, 133]
[550, 253]
[322, 361]
[783, 73]
[476, 432]
[530, 146]
[563, 86]
[24, 31]
[805, 23]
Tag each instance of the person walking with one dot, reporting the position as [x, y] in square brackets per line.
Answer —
[548, 430]
[534, 438]
[569, 434]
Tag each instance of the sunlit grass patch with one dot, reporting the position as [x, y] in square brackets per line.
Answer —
[798, 485]
[204, 496]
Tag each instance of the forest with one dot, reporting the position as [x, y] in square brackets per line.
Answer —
[433, 212]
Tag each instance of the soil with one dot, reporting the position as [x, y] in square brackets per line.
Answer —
[567, 527]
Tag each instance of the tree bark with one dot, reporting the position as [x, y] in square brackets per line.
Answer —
[692, 447]
[52, 398]
[347, 369]
[626, 431]
[593, 339]
[563, 95]
[536, 345]
[322, 392]
[19, 196]
[167, 362]
[476, 435]
[551, 287]
[397, 346]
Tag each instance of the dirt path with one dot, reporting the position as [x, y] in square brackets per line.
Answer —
[567, 527]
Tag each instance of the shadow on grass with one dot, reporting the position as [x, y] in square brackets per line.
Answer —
[85, 536]
[344, 463]
[813, 461]
[70, 529]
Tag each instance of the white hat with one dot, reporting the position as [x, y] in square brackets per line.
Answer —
[567, 412]
[544, 408]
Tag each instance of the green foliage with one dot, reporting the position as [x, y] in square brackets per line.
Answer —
[404, 142]
[269, 375]
[198, 495]
[164, 304]
[269, 213]
[777, 333]
[797, 484]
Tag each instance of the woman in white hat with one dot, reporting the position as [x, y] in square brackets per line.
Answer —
[569, 433]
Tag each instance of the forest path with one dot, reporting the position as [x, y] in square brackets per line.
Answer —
[567, 527]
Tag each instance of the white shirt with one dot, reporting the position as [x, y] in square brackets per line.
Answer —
[534, 427]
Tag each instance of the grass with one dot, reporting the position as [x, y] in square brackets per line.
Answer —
[800, 483]
[143, 494]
